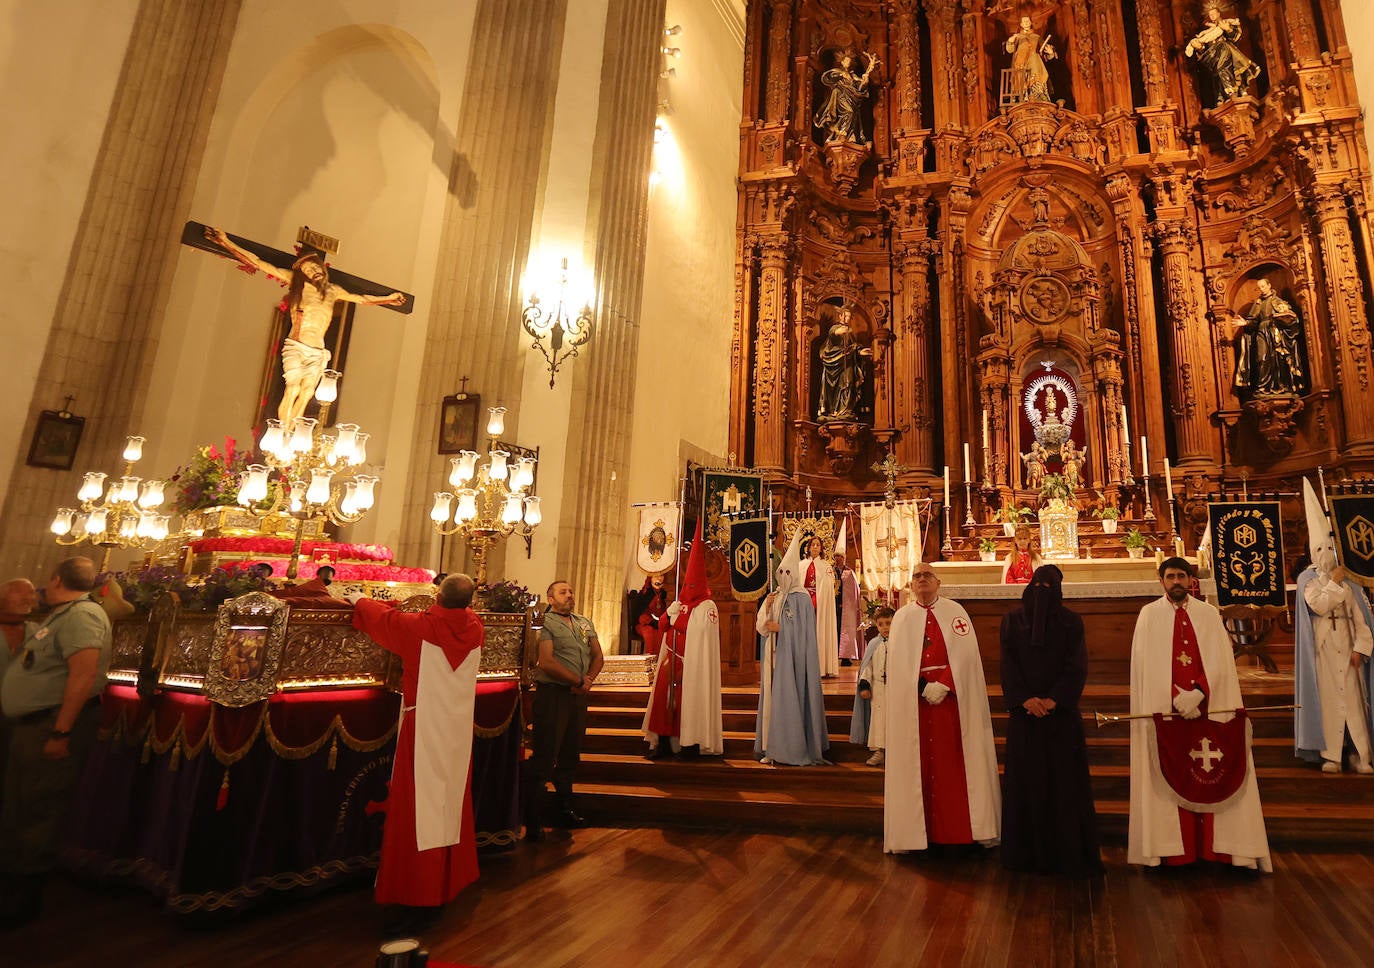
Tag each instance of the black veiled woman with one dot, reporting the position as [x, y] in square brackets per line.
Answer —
[1048, 821]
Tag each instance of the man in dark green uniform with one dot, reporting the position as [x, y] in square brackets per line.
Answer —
[569, 661]
[50, 696]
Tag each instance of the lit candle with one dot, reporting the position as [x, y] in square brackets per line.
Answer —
[946, 485]
[1144, 457]
[966, 474]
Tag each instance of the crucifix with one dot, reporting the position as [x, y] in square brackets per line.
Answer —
[312, 321]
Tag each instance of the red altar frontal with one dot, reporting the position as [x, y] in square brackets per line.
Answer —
[218, 809]
[242, 755]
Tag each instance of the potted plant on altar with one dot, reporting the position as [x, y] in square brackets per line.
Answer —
[504, 597]
[1011, 517]
[987, 549]
[207, 488]
[1109, 515]
[1135, 543]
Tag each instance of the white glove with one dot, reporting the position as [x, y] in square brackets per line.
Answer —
[674, 610]
[935, 693]
[1187, 703]
[352, 597]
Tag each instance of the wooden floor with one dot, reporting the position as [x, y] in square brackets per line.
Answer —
[644, 897]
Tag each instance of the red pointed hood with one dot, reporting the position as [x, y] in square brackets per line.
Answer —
[694, 589]
[455, 630]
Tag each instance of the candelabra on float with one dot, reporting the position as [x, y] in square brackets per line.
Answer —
[127, 515]
[318, 471]
[495, 505]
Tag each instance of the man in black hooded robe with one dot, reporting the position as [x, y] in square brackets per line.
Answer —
[1048, 821]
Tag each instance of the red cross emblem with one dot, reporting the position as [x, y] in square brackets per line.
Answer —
[960, 626]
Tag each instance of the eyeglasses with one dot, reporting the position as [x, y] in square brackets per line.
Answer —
[923, 574]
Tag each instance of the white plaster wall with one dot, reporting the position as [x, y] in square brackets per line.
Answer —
[1359, 22]
[59, 62]
[339, 116]
[682, 389]
[560, 232]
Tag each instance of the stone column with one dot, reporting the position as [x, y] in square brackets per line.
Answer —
[106, 326]
[591, 537]
[500, 149]
[1348, 325]
[770, 355]
[1194, 396]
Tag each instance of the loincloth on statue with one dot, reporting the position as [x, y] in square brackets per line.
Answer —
[301, 362]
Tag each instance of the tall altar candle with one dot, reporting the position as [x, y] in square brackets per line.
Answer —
[1125, 429]
[1168, 481]
[986, 448]
[946, 485]
[1144, 457]
[966, 463]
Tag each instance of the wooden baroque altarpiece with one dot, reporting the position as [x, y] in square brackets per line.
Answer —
[958, 211]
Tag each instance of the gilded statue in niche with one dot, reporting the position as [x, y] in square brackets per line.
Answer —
[1028, 79]
[1214, 50]
[1269, 351]
[840, 116]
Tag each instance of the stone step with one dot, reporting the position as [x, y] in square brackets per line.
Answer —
[1103, 750]
[735, 777]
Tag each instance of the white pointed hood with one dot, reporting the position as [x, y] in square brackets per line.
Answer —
[1319, 544]
[840, 546]
[789, 571]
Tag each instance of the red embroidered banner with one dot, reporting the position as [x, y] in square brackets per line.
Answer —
[1204, 762]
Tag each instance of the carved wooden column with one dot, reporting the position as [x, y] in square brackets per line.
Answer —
[770, 355]
[1277, 37]
[944, 61]
[1349, 322]
[1160, 113]
[906, 94]
[911, 351]
[742, 346]
[975, 64]
[779, 62]
[1193, 393]
[995, 399]
[1137, 290]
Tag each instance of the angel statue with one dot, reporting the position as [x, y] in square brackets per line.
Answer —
[839, 115]
[1072, 460]
[1214, 48]
[1035, 464]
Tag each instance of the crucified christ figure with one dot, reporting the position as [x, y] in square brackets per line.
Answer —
[310, 301]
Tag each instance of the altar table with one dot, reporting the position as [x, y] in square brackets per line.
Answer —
[218, 809]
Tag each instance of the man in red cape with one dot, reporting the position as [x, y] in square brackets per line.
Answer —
[429, 843]
[684, 706]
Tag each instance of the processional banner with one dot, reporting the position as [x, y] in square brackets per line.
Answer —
[1247, 550]
[725, 494]
[1202, 762]
[660, 530]
[890, 538]
[1353, 518]
[749, 559]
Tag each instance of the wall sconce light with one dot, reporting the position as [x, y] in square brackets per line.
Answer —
[672, 31]
[556, 334]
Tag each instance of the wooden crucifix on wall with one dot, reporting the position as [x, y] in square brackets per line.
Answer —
[311, 327]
